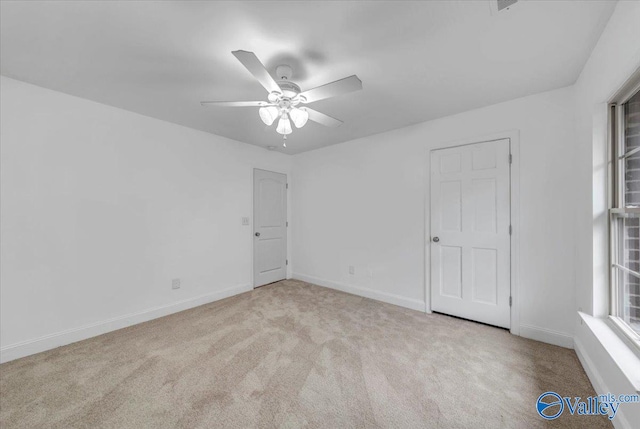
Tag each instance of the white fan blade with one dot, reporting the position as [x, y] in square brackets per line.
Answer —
[342, 86]
[322, 119]
[235, 103]
[257, 69]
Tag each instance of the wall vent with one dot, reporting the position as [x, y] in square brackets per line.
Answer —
[505, 4]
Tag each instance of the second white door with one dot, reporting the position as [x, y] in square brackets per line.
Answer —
[269, 227]
[470, 232]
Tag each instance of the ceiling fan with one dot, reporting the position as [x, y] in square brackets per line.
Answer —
[285, 97]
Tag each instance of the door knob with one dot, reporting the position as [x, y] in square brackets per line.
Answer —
[257, 234]
[436, 239]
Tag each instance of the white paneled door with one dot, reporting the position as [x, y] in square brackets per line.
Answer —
[269, 227]
[470, 232]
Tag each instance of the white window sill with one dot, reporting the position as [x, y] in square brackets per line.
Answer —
[622, 353]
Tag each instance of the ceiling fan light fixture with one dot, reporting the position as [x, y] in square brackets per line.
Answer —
[284, 96]
[284, 125]
[268, 114]
[299, 116]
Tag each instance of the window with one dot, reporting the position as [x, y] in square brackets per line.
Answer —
[625, 211]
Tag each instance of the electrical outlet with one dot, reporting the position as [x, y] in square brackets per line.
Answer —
[175, 284]
[245, 221]
[352, 269]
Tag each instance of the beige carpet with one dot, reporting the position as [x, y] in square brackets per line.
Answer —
[294, 355]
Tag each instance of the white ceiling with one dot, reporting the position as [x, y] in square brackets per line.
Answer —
[417, 60]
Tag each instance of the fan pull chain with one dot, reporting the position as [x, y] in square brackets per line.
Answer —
[284, 141]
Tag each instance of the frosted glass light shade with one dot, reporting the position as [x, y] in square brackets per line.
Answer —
[299, 117]
[268, 114]
[284, 125]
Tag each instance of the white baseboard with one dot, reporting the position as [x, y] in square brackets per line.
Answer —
[620, 421]
[527, 331]
[389, 298]
[51, 341]
[549, 336]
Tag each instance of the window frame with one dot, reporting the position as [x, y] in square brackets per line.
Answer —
[616, 203]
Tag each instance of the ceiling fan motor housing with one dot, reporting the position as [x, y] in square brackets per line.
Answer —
[289, 89]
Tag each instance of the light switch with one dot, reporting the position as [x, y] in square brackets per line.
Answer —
[245, 221]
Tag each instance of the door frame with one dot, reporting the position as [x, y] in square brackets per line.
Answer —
[514, 139]
[252, 223]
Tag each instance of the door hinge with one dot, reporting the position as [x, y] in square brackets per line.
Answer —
[510, 301]
[287, 186]
[510, 159]
[287, 261]
[510, 230]
[287, 223]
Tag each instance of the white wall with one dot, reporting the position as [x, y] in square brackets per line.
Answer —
[101, 208]
[612, 62]
[361, 203]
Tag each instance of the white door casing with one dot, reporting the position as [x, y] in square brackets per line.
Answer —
[470, 232]
[269, 227]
